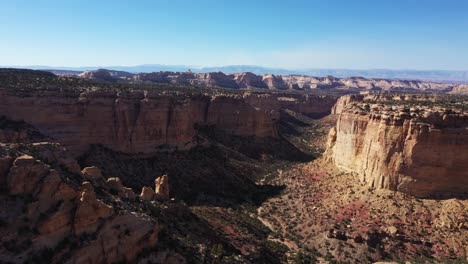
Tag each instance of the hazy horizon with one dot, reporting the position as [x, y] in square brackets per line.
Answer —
[36, 66]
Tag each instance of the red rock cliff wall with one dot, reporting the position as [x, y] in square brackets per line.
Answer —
[132, 122]
[424, 157]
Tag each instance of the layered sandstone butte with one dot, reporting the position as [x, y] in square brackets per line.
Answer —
[420, 149]
[249, 80]
[132, 121]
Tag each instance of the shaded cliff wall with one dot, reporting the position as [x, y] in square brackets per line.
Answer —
[311, 105]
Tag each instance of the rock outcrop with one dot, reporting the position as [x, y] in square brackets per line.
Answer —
[245, 120]
[215, 79]
[460, 89]
[250, 80]
[161, 188]
[419, 150]
[105, 75]
[56, 213]
[25, 175]
[274, 82]
[147, 193]
[343, 101]
[310, 105]
[89, 211]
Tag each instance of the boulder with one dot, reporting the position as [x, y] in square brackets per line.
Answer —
[128, 193]
[115, 184]
[147, 193]
[25, 175]
[92, 173]
[162, 188]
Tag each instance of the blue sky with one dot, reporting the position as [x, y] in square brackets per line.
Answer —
[359, 34]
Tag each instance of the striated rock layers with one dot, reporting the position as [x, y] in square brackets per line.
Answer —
[306, 104]
[132, 121]
[248, 80]
[343, 101]
[419, 150]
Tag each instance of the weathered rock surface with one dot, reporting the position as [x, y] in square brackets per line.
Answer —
[162, 188]
[311, 105]
[245, 120]
[89, 211]
[73, 222]
[120, 239]
[25, 175]
[115, 184]
[343, 101]
[419, 150]
[274, 82]
[147, 193]
[249, 80]
[133, 122]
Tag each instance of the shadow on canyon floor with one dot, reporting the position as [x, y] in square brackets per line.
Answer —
[224, 173]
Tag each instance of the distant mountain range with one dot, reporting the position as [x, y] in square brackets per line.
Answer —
[427, 75]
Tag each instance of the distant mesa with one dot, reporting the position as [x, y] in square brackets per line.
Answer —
[423, 75]
[249, 80]
[105, 75]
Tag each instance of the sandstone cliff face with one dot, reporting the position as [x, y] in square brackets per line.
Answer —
[343, 101]
[134, 121]
[245, 120]
[420, 151]
[311, 105]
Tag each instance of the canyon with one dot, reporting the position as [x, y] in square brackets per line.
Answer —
[143, 121]
[167, 167]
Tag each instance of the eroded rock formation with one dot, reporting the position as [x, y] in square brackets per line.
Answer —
[161, 188]
[418, 149]
[68, 217]
[135, 121]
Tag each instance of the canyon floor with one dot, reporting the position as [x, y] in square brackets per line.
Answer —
[324, 215]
